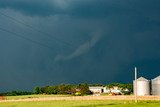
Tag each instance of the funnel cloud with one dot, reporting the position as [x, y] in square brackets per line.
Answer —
[82, 49]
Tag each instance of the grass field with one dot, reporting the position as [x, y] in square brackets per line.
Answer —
[89, 103]
[33, 96]
[47, 101]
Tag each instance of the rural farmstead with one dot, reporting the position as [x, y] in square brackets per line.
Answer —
[115, 90]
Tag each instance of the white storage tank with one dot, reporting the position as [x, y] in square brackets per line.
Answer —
[143, 87]
[156, 86]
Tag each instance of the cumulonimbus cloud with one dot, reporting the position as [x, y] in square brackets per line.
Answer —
[82, 48]
[41, 8]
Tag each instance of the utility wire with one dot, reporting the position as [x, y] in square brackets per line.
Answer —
[38, 30]
[28, 39]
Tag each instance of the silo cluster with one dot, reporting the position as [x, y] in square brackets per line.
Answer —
[143, 87]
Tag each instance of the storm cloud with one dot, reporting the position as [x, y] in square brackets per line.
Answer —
[54, 7]
[73, 41]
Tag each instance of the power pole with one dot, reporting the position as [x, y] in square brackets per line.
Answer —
[135, 87]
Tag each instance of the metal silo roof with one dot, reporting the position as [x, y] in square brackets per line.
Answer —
[142, 79]
[157, 78]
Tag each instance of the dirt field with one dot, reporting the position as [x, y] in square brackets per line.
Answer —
[86, 98]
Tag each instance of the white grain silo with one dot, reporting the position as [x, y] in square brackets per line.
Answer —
[143, 87]
[156, 86]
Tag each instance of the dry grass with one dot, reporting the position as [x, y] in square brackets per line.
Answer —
[79, 101]
[52, 97]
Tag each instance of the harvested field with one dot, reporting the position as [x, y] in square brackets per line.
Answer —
[79, 101]
[156, 98]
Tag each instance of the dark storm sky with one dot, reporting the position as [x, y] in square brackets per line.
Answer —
[49, 42]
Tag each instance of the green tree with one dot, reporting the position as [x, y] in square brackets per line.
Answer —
[66, 89]
[37, 90]
[52, 90]
[84, 89]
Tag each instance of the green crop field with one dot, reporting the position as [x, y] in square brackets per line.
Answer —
[80, 103]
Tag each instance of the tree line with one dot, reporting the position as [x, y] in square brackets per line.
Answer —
[80, 89]
[67, 89]
[16, 93]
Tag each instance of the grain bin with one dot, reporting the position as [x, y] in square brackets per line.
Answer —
[143, 87]
[156, 86]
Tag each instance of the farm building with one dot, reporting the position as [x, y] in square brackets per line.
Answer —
[141, 86]
[115, 90]
[155, 86]
[107, 90]
[96, 90]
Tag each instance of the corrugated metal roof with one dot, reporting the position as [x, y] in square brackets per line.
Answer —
[142, 79]
[157, 78]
